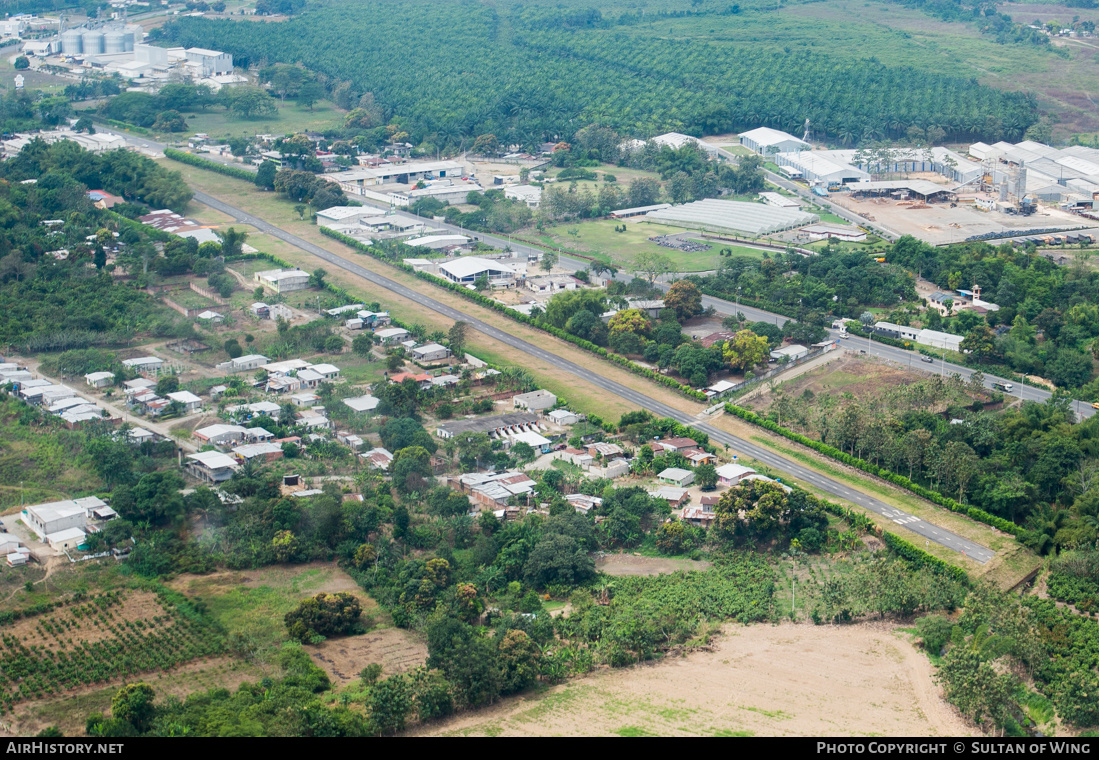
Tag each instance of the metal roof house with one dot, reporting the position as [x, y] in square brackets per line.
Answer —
[212, 466]
[54, 516]
[283, 280]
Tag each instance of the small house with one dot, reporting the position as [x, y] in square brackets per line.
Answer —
[605, 450]
[430, 352]
[212, 466]
[676, 476]
[674, 496]
[731, 474]
[539, 443]
[191, 402]
[673, 445]
[534, 401]
[99, 379]
[220, 434]
[563, 417]
[391, 335]
[362, 403]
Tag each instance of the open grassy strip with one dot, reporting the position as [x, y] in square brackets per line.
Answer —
[280, 212]
[599, 239]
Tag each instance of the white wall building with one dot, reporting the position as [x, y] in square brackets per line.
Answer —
[56, 516]
[210, 62]
[283, 280]
[767, 141]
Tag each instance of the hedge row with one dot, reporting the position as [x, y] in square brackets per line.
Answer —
[205, 163]
[151, 232]
[489, 303]
[918, 556]
[118, 124]
[899, 480]
[749, 302]
[856, 329]
[906, 550]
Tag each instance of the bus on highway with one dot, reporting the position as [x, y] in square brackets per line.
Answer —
[1005, 387]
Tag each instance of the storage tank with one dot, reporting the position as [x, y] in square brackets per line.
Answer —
[128, 41]
[114, 41]
[72, 42]
[93, 42]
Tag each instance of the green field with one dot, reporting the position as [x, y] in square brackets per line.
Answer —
[290, 119]
[599, 240]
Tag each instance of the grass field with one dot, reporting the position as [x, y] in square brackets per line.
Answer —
[291, 119]
[598, 239]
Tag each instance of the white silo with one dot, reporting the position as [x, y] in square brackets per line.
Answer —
[134, 35]
[93, 42]
[114, 41]
[71, 42]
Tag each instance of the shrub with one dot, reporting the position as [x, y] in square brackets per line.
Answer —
[324, 615]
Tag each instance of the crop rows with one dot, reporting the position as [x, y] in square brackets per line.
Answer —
[68, 659]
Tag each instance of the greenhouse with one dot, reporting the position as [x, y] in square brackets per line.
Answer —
[732, 216]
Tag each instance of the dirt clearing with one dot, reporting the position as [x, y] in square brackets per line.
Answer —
[862, 378]
[395, 649]
[632, 564]
[787, 680]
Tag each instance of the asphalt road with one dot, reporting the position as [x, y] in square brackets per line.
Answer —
[741, 447]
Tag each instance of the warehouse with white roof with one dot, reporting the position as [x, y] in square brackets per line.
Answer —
[767, 141]
[468, 269]
[435, 242]
[733, 216]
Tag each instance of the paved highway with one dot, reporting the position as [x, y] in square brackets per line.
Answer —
[928, 531]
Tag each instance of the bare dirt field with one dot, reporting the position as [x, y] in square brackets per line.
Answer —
[634, 564]
[787, 680]
[395, 649]
[862, 378]
[938, 223]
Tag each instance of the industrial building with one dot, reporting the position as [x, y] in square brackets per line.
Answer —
[673, 140]
[97, 143]
[819, 166]
[437, 242]
[210, 62]
[466, 271]
[732, 216]
[500, 426]
[779, 201]
[827, 231]
[766, 141]
[1013, 172]
[339, 217]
